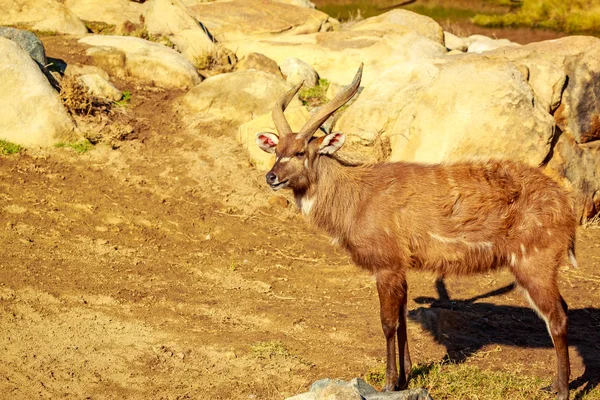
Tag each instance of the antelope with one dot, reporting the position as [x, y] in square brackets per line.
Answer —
[452, 219]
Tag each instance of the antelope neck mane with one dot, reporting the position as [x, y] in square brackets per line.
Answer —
[335, 191]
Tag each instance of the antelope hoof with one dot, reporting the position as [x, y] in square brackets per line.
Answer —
[560, 395]
[402, 384]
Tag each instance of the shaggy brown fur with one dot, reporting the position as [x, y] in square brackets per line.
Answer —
[451, 219]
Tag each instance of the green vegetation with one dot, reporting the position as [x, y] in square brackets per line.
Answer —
[80, 146]
[570, 16]
[270, 350]
[445, 380]
[7, 148]
[314, 96]
[125, 100]
[100, 28]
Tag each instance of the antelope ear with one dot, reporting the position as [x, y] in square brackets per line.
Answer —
[331, 143]
[267, 141]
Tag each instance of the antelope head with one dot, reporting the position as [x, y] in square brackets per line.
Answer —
[297, 152]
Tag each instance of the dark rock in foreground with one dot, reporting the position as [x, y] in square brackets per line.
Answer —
[356, 389]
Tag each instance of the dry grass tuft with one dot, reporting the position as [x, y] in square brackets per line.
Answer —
[78, 101]
[217, 61]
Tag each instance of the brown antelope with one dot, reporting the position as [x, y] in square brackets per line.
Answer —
[451, 219]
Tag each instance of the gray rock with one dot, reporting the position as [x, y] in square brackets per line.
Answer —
[296, 71]
[356, 389]
[28, 42]
[410, 394]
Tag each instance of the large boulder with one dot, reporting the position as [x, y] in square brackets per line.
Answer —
[448, 111]
[260, 62]
[481, 43]
[174, 19]
[473, 108]
[169, 17]
[333, 53]
[28, 42]
[149, 62]
[114, 12]
[41, 15]
[401, 21]
[237, 19]
[32, 113]
[238, 97]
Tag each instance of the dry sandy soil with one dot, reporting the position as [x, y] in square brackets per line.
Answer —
[166, 269]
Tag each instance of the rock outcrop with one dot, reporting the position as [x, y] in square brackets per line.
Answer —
[237, 97]
[32, 113]
[41, 15]
[149, 62]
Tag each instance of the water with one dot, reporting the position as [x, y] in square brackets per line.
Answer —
[453, 15]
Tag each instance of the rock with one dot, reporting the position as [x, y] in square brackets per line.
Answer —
[74, 70]
[41, 15]
[481, 43]
[296, 116]
[149, 62]
[113, 12]
[548, 64]
[172, 17]
[579, 110]
[472, 107]
[402, 21]
[325, 50]
[238, 19]
[193, 43]
[100, 87]
[37, 119]
[237, 97]
[259, 62]
[435, 113]
[169, 17]
[378, 106]
[299, 3]
[453, 42]
[580, 167]
[28, 42]
[335, 389]
[295, 71]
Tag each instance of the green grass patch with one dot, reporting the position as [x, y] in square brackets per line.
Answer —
[8, 148]
[270, 350]
[80, 146]
[451, 381]
[125, 100]
[100, 28]
[571, 16]
[314, 96]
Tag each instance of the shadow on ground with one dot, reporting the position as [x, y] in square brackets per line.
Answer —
[465, 326]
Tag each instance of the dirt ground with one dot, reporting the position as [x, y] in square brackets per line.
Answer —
[166, 269]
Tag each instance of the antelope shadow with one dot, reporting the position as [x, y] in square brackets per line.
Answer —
[465, 326]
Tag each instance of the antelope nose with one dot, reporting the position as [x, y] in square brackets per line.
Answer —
[271, 178]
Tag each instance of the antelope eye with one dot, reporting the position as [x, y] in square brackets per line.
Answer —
[300, 154]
